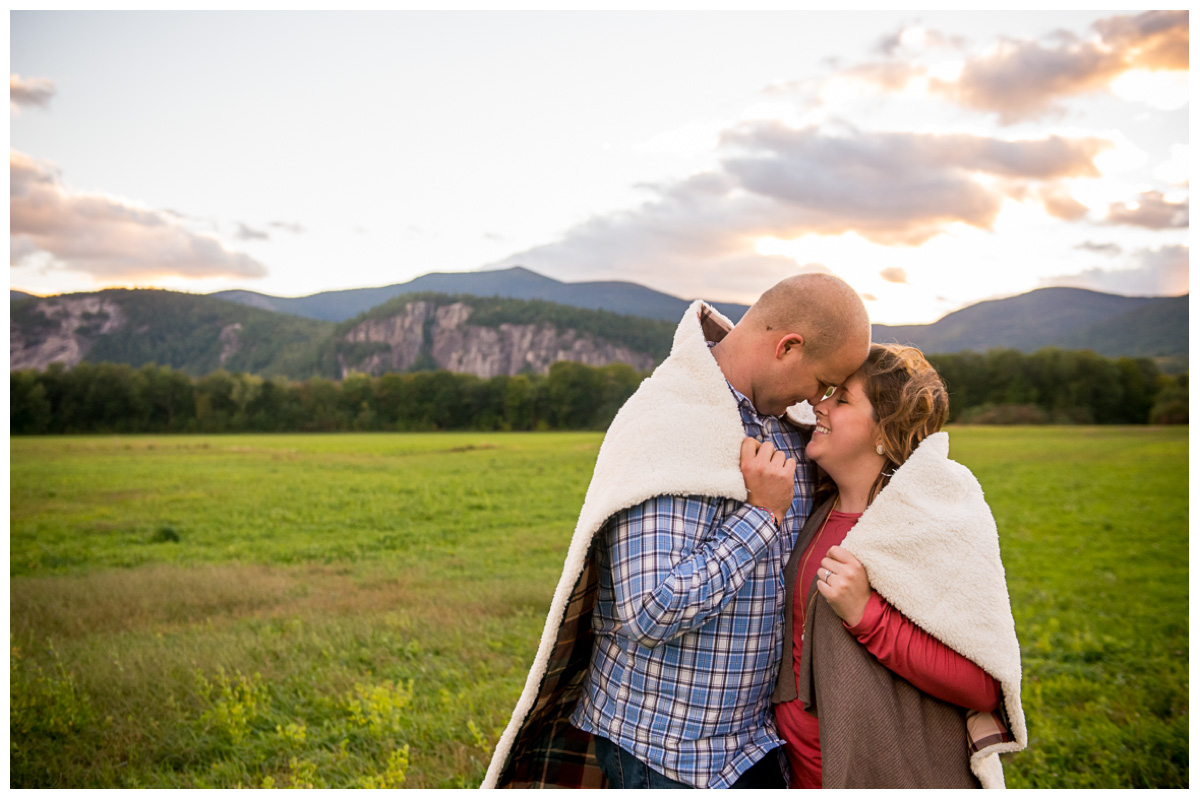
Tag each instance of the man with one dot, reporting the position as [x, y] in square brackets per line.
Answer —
[670, 683]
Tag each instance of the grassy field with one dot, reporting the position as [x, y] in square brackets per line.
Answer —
[361, 610]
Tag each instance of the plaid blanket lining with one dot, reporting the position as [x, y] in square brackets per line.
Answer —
[549, 752]
[986, 728]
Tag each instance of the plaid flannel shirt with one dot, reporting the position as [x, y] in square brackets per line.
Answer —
[688, 625]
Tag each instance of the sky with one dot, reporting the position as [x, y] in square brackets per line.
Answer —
[930, 159]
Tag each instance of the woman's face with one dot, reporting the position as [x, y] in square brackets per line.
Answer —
[846, 432]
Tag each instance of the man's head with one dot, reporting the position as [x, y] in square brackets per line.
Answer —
[805, 335]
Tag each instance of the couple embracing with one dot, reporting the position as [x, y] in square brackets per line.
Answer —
[762, 593]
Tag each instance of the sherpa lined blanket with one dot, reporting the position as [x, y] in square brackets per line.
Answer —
[679, 434]
[930, 548]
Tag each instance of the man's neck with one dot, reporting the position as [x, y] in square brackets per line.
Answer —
[732, 367]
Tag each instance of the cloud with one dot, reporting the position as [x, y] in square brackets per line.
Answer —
[774, 181]
[107, 237]
[1026, 79]
[894, 275]
[24, 92]
[893, 188]
[247, 234]
[1019, 80]
[1156, 40]
[1059, 203]
[1106, 248]
[1156, 272]
[290, 227]
[914, 37]
[1150, 210]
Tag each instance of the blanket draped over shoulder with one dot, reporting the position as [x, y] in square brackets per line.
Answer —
[930, 548]
[679, 434]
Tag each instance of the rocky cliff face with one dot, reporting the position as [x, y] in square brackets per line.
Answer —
[72, 325]
[446, 336]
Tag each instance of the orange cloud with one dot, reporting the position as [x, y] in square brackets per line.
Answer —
[1060, 204]
[1023, 79]
[104, 236]
[1156, 40]
[1150, 210]
[1020, 79]
[780, 182]
[893, 188]
[29, 92]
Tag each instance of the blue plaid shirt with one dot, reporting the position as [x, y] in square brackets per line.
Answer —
[689, 625]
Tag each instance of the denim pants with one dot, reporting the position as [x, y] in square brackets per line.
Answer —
[623, 770]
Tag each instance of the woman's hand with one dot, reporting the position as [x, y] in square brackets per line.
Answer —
[770, 476]
[842, 580]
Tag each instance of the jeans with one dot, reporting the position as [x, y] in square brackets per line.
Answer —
[623, 770]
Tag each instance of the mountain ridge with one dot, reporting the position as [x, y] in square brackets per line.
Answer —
[1067, 318]
[518, 283]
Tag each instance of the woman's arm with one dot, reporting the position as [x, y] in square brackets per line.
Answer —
[922, 660]
[897, 642]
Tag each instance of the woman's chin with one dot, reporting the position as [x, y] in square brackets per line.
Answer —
[820, 458]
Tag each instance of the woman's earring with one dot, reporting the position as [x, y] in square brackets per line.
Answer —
[879, 449]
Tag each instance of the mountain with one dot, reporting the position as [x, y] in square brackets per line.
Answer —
[200, 334]
[1111, 325]
[14, 295]
[193, 333]
[1154, 329]
[619, 297]
[490, 336]
[496, 334]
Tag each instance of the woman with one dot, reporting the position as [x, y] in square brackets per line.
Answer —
[901, 666]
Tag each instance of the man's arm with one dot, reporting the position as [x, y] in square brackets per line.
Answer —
[664, 587]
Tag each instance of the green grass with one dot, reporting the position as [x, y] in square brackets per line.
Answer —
[361, 610]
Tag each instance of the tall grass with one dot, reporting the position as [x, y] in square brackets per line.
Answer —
[361, 610]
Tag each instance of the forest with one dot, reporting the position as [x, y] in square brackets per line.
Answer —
[1050, 386]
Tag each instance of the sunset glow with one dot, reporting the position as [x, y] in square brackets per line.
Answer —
[931, 159]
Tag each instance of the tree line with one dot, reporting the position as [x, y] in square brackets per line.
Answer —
[1002, 386]
[1060, 387]
[116, 398]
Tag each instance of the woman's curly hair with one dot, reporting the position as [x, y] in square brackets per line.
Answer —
[909, 400]
[908, 397]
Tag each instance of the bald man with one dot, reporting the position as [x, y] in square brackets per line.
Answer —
[687, 618]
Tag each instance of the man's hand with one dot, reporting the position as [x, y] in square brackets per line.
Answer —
[769, 475]
[842, 580]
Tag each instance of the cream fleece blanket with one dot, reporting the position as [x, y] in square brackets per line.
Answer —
[679, 434]
[930, 547]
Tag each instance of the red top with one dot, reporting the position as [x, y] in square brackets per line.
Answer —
[892, 638]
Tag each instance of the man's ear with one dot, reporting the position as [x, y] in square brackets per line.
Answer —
[786, 344]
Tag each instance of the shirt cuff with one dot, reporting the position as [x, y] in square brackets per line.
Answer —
[871, 616]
